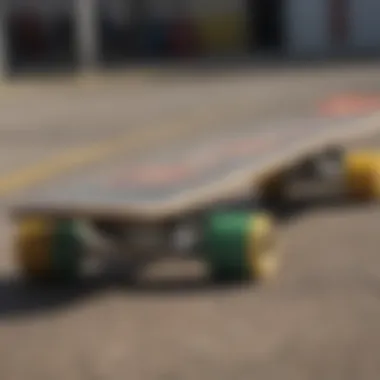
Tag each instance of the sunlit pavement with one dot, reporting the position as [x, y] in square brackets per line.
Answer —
[318, 320]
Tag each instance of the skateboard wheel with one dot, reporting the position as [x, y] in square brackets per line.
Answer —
[363, 175]
[48, 250]
[32, 245]
[240, 246]
[67, 250]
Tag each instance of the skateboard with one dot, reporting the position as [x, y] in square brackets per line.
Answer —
[207, 198]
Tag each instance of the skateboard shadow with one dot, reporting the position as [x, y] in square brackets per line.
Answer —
[184, 287]
[20, 299]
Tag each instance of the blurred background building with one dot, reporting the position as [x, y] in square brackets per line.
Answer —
[87, 32]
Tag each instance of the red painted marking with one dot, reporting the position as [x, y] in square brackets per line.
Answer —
[350, 105]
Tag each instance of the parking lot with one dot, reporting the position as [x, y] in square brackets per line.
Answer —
[318, 320]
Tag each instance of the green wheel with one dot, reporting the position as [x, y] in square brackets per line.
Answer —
[240, 246]
[48, 249]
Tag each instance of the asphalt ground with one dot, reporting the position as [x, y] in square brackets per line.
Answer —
[319, 319]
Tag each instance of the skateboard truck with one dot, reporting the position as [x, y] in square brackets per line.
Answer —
[321, 174]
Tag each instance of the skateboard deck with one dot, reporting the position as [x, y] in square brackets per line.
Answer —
[192, 174]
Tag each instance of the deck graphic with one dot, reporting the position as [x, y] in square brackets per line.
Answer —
[191, 164]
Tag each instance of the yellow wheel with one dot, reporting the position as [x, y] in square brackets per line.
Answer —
[47, 249]
[32, 246]
[363, 175]
[262, 248]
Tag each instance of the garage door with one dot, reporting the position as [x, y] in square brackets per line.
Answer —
[308, 26]
[365, 24]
